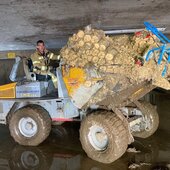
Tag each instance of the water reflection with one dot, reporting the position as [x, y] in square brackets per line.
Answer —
[62, 150]
[27, 158]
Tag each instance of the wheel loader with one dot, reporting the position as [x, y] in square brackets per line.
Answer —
[29, 107]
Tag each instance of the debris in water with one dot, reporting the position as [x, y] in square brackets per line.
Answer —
[134, 165]
[132, 150]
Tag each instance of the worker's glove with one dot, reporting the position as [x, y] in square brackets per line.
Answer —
[37, 68]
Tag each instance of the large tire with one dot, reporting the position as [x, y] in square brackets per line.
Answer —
[149, 112]
[103, 136]
[30, 125]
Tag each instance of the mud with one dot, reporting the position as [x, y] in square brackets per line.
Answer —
[62, 150]
[118, 60]
[123, 55]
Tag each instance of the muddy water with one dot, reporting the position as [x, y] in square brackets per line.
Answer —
[62, 150]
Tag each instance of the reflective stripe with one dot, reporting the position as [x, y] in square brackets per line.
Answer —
[40, 58]
[54, 80]
[36, 62]
[43, 68]
[51, 55]
[58, 57]
[34, 69]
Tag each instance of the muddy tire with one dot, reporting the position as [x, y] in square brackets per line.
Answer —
[148, 111]
[103, 136]
[30, 125]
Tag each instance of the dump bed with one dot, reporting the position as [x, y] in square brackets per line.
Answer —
[120, 68]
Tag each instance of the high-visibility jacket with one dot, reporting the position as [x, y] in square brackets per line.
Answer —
[41, 64]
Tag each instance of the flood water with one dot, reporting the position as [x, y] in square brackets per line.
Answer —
[62, 150]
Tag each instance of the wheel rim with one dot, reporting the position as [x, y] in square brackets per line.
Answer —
[29, 159]
[144, 125]
[98, 138]
[28, 127]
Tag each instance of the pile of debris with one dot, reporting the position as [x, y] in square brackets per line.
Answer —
[118, 59]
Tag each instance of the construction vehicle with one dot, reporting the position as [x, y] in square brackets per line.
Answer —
[29, 107]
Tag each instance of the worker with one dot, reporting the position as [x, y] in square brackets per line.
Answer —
[44, 63]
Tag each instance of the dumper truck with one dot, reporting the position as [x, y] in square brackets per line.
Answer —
[29, 107]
